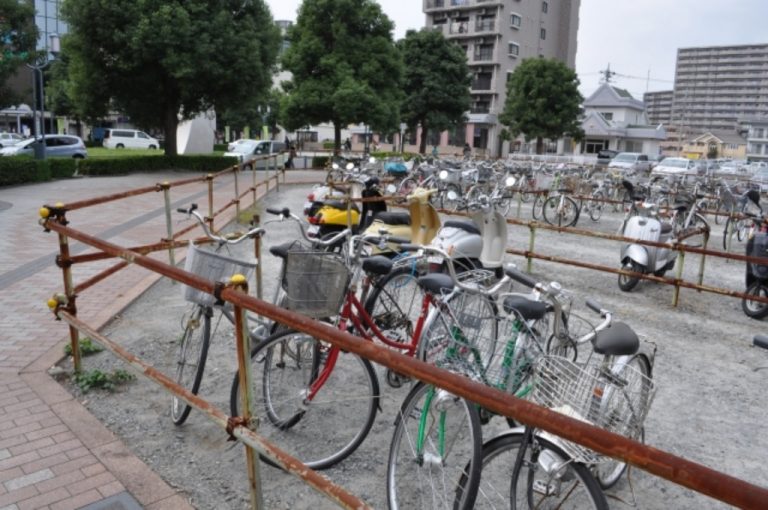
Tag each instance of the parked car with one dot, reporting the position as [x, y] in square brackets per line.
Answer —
[129, 139]
[56, 146]
[630, 162]
[760, 180]
[10, 139]
[231, 146]
[677, 166]
[248, 154]
[605, 156]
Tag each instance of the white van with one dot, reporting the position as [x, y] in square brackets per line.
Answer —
[129, 139]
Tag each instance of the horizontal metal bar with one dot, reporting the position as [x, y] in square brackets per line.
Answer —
[324, 486]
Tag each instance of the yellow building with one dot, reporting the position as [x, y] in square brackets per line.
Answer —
[716, 144]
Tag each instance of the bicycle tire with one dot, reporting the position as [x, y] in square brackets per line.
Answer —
[595, 206]
[727, 232]
[407, 186]
[429, 478]
[283, 368]
[609, 472]
[561, 219]
[720, 213]
[537, 210]
[755, 309]
[498, 459]
[192, 347]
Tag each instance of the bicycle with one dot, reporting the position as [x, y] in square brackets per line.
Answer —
[305, 384]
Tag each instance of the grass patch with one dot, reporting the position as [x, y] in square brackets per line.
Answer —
[86, 381]
[101, 152]
[87, 347]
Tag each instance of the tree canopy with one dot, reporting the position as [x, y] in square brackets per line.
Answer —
[18, 38]
[436, 83]
[156, 60]
[543, 101]
[346, 68]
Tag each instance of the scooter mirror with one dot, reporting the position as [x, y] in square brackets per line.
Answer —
[510, 182]
[452, 195]
[350, 166]
[443, 174]
[335, 166]
[391, 189]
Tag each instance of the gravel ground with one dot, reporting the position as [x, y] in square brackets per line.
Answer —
[709, 407]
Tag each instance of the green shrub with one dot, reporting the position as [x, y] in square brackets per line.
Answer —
[407, 156]
[128, 165]
[98, 379]
[220, 147]
[18, 170]
[87, 347]
[319, 161]
[329, 145]
[62, 168]
[95, 143]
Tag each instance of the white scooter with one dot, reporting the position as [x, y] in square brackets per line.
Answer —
[644, 225]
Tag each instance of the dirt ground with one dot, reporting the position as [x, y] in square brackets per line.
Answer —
[710, 405]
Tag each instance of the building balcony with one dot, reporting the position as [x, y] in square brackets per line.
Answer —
[483, 55]
[436, 5]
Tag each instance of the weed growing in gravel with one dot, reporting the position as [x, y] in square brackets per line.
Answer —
[98, 379]
[87, 347]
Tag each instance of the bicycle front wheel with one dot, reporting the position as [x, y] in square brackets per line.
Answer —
[549, 478]
[561, 211]
[190, 361]
[320, 428]
[436, 443]
[595, 206]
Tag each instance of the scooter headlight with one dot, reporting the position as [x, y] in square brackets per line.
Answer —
[443, 174]
[510, 181]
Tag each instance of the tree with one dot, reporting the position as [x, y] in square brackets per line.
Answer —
[436, 83]
[248, 114]
[346, 68]
[18, 36]
[157, 60]
[543, 101]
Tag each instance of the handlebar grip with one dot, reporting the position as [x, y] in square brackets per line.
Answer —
[519, 276]
[760, 341]
[410, 247]
[399, 240]
[279, 212]
[182, 210]
[594, 305]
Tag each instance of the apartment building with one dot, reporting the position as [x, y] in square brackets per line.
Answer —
[497, 35]
[756, 130]
[715, 86]
[658, 106]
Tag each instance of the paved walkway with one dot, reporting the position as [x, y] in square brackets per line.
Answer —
[53, 453]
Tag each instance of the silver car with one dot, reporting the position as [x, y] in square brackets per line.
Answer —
[57, 146]
[10, 139]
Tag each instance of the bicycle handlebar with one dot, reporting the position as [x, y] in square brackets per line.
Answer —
[760, 341]
[285, 213]
[229, 239]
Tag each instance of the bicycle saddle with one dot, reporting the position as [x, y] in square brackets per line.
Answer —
[393, 218]
[436, 283]
[618, 339]
[378, 264]
[527, 308]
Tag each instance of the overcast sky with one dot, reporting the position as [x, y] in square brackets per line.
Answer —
[634, 36]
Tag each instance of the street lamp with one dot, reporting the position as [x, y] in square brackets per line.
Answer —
[54, 47]
[264, 112]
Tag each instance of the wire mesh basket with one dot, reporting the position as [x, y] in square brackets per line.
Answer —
[214, 267]
[615, 398]
[315, 282]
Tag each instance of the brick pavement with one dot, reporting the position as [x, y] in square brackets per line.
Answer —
[53, 453]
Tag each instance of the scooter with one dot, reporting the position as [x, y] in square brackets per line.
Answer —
[756, 274]
[639, 258]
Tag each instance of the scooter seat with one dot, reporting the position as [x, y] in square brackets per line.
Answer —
[337, 204]
[666, 228]
[436, 283]
[618, 339]
[281, 250]
[378, 264]
[527, 308]
[466, 226]
[393, 218]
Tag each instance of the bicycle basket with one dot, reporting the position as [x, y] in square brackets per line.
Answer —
[616, 398]
[214, 267]
[315, 283]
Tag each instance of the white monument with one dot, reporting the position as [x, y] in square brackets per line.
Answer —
[197, 135]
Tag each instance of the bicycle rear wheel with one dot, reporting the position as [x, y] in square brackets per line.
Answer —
[595, 206]
[436, 444]
[548, 477]
[326, 429]
[190, 361]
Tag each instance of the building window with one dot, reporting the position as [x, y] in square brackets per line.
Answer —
[543, 33]
[515, 20]
[607, 115]
[544, 7]
[514, 50]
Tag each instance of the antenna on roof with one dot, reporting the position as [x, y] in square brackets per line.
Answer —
[607, 75]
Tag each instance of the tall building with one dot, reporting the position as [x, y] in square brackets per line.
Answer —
[48, 21]
[497, 35]
[715, 86]
[658, 106]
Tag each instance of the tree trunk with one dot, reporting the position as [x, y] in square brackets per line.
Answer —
[423, 141]
[336, 138]
[171, 123]
[539, 145]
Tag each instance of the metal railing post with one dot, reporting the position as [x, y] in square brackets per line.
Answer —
[237, 194]
[64, 262]
[266, 171]
[240, 283]
[166, 187]
[257, 255]
[703, 258]
[255, 187]
[532, 226]
[680, 262]
[209, 219]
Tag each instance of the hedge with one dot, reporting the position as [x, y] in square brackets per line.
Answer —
[24, 169]
[407, 156]
[320, 161]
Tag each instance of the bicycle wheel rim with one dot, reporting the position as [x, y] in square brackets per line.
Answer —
[429, 477]
[283, 368]
[190, 361]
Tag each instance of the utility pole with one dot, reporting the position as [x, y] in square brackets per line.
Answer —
[607, 74]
